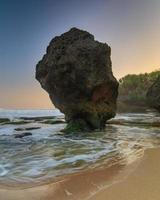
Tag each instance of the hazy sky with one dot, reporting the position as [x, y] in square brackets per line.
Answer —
[130, 27]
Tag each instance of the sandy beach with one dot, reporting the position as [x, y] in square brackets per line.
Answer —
[137, 181]
[142, 184]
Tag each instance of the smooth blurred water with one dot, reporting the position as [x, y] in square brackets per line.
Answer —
[48, 153]
[14, 114]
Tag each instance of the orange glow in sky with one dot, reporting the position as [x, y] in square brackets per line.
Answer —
[131, 28]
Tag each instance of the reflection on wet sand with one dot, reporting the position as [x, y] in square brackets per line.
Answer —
[72, 187]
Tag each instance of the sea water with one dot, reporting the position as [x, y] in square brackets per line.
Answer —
[48, 153]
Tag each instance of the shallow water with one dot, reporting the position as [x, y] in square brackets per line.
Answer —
[48, 153]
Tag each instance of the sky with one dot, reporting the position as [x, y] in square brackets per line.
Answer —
[130, 27]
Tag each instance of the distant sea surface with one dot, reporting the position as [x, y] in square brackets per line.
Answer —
[33, 149]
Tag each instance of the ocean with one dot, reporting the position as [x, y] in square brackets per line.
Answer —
[43, 153]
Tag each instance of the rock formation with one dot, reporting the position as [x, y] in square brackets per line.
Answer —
[76, 71]
[153, 95]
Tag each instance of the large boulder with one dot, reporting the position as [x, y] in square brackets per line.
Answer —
[153, 95]
[76, 71]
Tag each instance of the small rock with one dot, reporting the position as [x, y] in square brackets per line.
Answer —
[37, 118]
[53, 122]
[16, 122]
[27, 129]
[4, 120]
[22, 135]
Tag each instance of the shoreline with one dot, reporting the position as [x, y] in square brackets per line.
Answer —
[78, 186]
[142, 184]
[139, 180]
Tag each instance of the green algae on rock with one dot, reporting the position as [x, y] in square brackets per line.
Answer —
[76, 71]
[4, 120]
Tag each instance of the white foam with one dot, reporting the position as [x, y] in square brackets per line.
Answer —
[3, 171]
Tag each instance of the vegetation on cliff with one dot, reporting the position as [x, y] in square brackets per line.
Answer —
[153, 95]
[133, 88]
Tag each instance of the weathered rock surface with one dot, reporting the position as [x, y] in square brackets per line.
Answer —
[76, 71]
[153, 95]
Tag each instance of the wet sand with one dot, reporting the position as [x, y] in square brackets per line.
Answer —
[142, 184]
[137, 181]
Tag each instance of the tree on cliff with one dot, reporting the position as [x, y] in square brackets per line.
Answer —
[133, 88]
